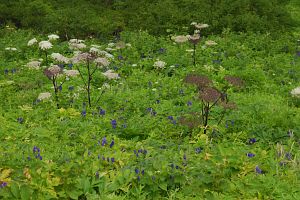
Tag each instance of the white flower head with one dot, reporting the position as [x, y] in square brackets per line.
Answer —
[33, 64]
[159, 64]
[120, 45]
[80, 57]
[53, 37]
[60, 58]
[180, 39]
[111, 44]
[54, 69]
[77, 45]
[193, 23]
[11, 49]
[102, 62]
[32, 42]
[296, 92]
[201, 26]
[94, 50]
[44, 45]
[71, 73]
[44, 96]
[76, 41]
[210, 43]
[111, 75]
[128, 45]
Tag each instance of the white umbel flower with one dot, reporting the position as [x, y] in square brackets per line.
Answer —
[44, 95]
[32, 42]
[76, 41]
[33, 64]
[159, 64]
[296, 92]
[111, 44]
[11, 49]
[201, 26]
[60, 58]
[71, 73]
[102, 62]
[53, 37]
[180, 39]
[210, 43]
[111, 75]
[94, 50]
[77, 46]
[44, 45]
[54, 69]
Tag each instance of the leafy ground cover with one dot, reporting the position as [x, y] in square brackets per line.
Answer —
[142, 134]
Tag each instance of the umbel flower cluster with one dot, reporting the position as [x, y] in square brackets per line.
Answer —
[209, 97]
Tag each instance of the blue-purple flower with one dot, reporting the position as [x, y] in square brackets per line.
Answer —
[104, 141]
[112, 144]
[250, 155]
[114, 123]
[258, 170]
[3, 184]
[252, 140]
[112, 160]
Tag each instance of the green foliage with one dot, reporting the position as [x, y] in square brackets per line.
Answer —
[49, 153]
[103, 18]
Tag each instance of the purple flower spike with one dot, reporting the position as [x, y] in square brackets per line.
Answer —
[250, 155]
[258, 170]
[112, 144]
[104, 141]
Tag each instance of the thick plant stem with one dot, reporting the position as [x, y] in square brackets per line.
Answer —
[89, 84]
[206, 114]
[194, 55]
[55, 91]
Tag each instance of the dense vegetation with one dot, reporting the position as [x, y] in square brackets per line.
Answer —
[69, 18]
[138, 115]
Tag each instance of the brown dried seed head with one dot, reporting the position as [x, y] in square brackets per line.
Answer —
[236, 81]
[199, 80]
[228, 105]
[210, 94]
[191, 121]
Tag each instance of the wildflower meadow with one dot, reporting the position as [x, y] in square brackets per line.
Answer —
[186, 115]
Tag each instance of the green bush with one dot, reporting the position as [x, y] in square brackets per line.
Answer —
[103, 18]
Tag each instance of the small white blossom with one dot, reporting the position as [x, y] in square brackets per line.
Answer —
[94, 50]
[296, 92]
[44, 45]
[159, 64]
[193, 23]
[201, 26]
[53, 37]
[111, 75]
[210, 43]
[102, 62]
[111, 44]
[71, 73]
[76, 41]
[180, 38]
[44, 95]
[60, 58]
[11, 49]
[32, 42]
[134, 65]
[34, 64]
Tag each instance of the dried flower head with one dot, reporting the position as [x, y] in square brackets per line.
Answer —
[80, 57]
[228, 105]
[52, 71]
[180, 39]
[192, 120]
[199, 80]
[32, 42]
[44, 45]
[194, 39]
[236, 81]
[210, 94]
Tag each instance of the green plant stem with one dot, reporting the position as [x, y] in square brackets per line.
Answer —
[89, 84]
